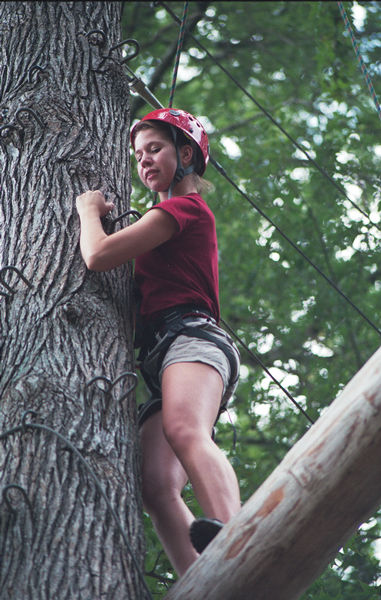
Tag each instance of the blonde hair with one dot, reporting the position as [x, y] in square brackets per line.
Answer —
[203, 186]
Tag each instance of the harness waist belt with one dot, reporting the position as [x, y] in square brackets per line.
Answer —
[169, 315]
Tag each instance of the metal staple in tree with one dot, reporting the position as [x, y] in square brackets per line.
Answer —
[10, 288]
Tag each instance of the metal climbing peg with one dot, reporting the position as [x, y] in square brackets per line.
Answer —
[109, 385]
[130, 56]
[6, 498]
[97, 37]
[29, 111]
[133, 213]
[35, 72]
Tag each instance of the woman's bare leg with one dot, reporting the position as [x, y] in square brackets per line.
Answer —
[177, 446]
[192, 394]
[163, 481]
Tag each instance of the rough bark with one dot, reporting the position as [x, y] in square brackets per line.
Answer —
[293, 526]
[64, 107]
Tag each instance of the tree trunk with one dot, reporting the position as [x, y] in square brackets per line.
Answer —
[294, 525]
[64, 111]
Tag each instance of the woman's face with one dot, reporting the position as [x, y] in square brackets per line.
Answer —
[156, 157]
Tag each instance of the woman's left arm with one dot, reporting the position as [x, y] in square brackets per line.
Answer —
[102, 252]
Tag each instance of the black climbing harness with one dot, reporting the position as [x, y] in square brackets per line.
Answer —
[155, 341]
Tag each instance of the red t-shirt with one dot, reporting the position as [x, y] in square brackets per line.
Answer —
[183, 270]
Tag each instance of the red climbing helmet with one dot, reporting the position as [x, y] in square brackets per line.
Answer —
[183, 120]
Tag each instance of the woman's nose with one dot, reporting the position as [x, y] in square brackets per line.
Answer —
[145, 160]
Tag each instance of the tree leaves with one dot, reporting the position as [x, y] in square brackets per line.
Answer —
[296, 60]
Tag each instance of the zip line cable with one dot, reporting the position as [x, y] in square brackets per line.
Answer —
[360, 59]
[178, 53]
[274, 121]
[139, 87]
[156, 104]
[222, 171]
[258, 360]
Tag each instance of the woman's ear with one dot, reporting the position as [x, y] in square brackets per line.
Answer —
[186, 155]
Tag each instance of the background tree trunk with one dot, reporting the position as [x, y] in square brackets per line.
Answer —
[65, 122]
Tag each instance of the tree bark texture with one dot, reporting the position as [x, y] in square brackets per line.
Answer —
[66, 350]
[293, 526]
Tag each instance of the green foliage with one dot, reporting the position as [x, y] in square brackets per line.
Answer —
[295, 59]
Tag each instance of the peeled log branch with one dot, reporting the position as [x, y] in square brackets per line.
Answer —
[294, 525]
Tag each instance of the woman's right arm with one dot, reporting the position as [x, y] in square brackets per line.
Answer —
[102, 252]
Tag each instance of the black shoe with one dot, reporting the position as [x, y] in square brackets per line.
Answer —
[202, 531]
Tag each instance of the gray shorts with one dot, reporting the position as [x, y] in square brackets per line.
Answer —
[193, 349]
[187, 349]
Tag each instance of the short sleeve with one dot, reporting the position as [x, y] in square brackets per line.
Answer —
[184, 209]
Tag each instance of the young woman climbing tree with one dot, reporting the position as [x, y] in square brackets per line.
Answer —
[188, 362]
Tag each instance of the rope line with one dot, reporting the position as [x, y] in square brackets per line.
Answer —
[360, 58]
[150, 99]
[222, 171]
[275, 122]
[178, 53]
[41, 427]
[258, 360]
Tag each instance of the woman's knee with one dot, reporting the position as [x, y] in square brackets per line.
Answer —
[161, 482]
[152, 494]
[160, 490]
[183, 436]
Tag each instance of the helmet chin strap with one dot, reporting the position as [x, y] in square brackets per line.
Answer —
[180, 171]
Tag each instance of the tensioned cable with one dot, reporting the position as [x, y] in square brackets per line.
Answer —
[275, 122]
[258, 360]
[180, 42]
[328, 280]
[360, 58]
[148, 97]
